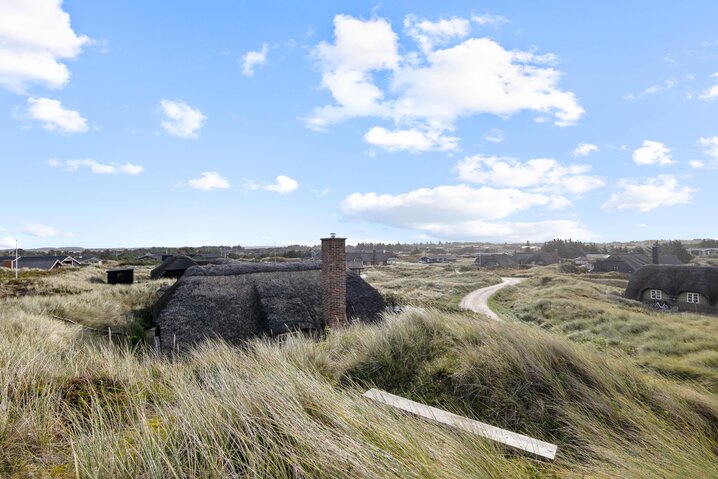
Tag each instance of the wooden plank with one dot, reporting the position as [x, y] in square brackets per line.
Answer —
[507, 438]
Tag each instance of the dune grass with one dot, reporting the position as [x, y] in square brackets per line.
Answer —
[71, 405]
[590, 309]
[433, 285]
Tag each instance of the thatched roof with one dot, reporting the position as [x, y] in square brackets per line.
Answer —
[494, 259]
[172, 267]
[674, 280]
[238, 301]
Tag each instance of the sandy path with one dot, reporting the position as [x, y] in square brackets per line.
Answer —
[479, 300]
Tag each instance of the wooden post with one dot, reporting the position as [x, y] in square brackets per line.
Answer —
[158, 342]
[507, 438]
[109, 336]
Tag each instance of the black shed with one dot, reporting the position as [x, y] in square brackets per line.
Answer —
[121, 276]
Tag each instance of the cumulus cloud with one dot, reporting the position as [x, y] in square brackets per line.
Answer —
[209, 180]
[710, 146]
[54, 116]
[180, 119]
[428, 34]
[540, 175]
[584, 149]
[430, 89]
[96, 167]
[653, 153]
[711, 93]
[413, 140]
[461, 211]
[35, 37]
[253, 59]
[41, 231]
[282, 185]
[663, 190]
[697, 164]
[8, 242]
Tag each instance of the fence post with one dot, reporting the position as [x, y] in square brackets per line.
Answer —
[158, 342]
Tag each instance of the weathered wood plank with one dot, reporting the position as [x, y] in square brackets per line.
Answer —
[507, 438]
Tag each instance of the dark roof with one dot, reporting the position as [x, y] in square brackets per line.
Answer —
[539, 257]
[172, 267]
[238, 301]
[638, 260]
[675, 280]
[501, 259]
[39, 262]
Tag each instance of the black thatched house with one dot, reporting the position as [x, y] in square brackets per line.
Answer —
[494, 260]
[175, 266]
[238, 301]
[539, 258]
[629, 263]
[683, 288]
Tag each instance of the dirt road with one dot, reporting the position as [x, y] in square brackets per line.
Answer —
[479, 300]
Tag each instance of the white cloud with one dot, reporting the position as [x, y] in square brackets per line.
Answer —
[540, 175]
[54, 116]
[209, 180]
[428, 34]
[653, 153]
[584, 149]
[710, 145]
[40, 230]
[461, 212]
[489, 19]
[254, 59]
[35, 36]
[697, 164]
[96, 167]
[413, 140]
[711, 93]
[430, 89]
[667, 85]
[282, 185]
[663, 190]
[180, 119]
[7, 242]
[494, 136]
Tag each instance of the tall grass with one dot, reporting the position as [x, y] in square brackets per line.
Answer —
[71, 405]
[590, 309]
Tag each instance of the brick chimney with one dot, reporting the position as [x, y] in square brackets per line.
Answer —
[334, 280]
[654, 253]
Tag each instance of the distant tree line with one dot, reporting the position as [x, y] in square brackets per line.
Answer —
[708, 243]
[569, 248]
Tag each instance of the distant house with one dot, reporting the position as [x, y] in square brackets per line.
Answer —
[92, 260]
[494, 260]
[536, 259]
[46, 263]
[703, 251]
[679, 287]
[437, 258]
[151, 257]
[367, 258]
[629, 263]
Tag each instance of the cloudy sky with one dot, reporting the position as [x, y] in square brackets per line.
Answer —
[192, 123]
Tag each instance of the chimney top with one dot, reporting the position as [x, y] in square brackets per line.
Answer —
[332, 235]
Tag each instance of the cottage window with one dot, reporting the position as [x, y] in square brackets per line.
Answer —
[693, 298]
[656, 294]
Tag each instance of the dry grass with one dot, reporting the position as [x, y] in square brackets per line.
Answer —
[436, 286]
[72, 406]
[591, 309]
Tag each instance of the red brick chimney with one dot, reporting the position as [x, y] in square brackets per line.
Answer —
[334, 280]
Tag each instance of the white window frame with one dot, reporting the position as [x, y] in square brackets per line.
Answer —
[693, 298]
[656, 294]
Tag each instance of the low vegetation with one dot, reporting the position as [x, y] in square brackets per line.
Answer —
[74, 405]
[590, 309]
[433, 285]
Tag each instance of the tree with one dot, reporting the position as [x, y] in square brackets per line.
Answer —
[676, 247]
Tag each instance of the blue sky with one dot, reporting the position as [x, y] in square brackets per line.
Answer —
[188, 123]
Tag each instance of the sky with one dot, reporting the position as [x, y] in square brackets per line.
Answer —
[137, 124]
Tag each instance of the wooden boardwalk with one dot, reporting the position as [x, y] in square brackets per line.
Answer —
[516, 441]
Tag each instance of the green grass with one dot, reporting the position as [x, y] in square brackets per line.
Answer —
[590, 309]
[71, 405]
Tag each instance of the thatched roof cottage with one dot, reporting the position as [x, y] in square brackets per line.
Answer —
[685, 288]
[238, 301]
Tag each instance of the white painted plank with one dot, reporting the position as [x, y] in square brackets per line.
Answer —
[508, 438]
